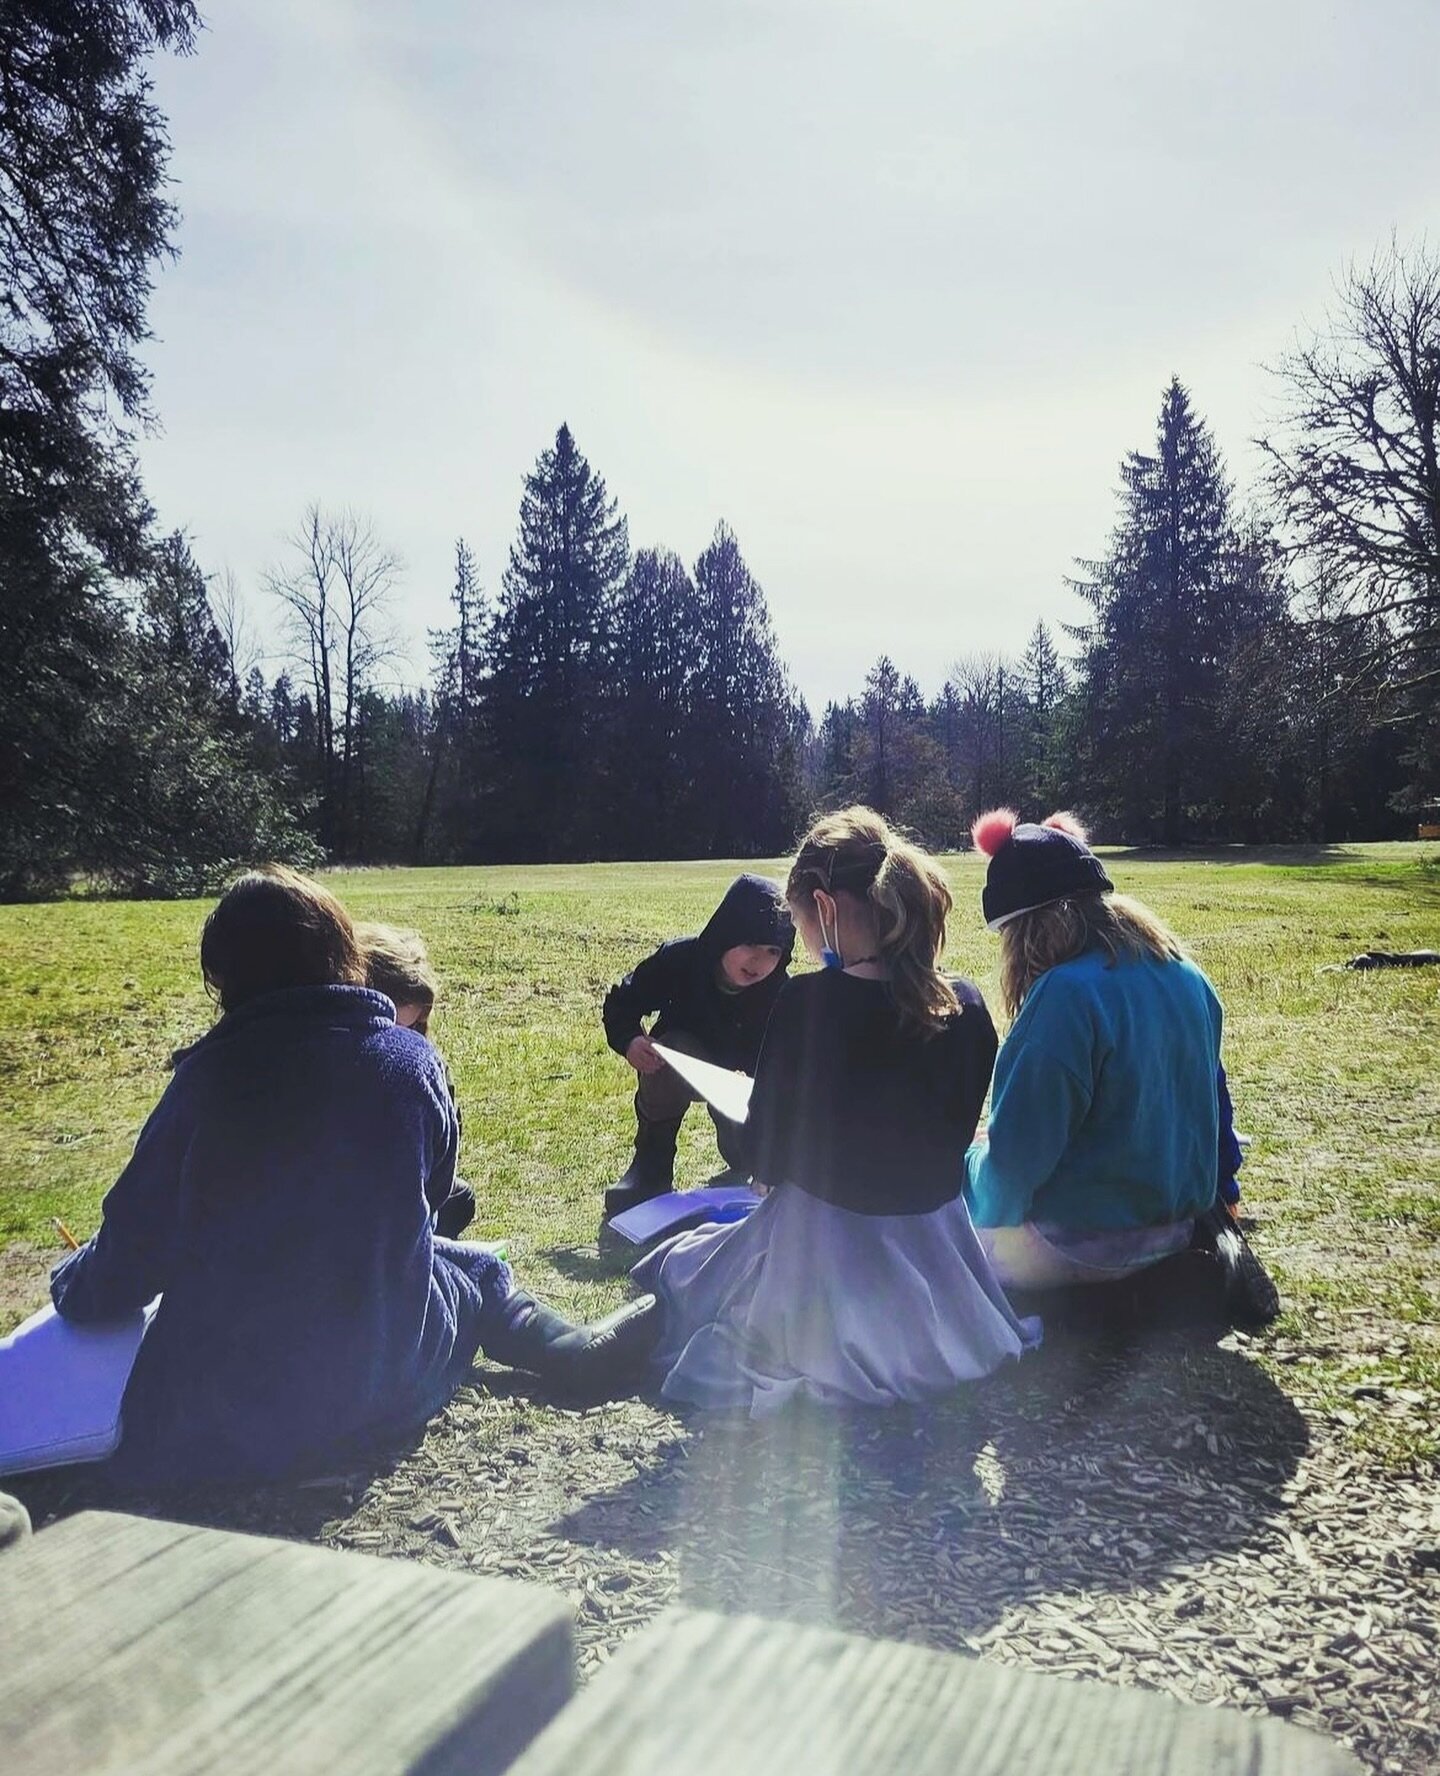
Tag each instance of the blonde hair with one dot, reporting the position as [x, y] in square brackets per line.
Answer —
[1031, 943]
[856, 851]
[397, 964]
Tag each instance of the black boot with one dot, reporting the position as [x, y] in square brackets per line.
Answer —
[1251, 1298]
[593, 1361]
[650, 1173]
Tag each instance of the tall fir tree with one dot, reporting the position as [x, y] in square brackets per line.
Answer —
[653, 734]
[550, 681]
[748, 738]
[1163, 604]
[84, 218]
[1043, 685]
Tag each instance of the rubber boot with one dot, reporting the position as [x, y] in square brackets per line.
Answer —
[1251, 1298]
[650, 1173]
[14, 1521]
[593, 1361]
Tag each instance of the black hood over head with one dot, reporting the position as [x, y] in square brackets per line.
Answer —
[752, 912]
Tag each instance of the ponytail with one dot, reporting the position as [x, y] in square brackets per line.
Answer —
[857, 851]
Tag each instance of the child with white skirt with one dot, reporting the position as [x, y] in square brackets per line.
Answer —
[859, 1279]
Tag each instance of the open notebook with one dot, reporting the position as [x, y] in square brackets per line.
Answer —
[61, 1386]
[728, 1092]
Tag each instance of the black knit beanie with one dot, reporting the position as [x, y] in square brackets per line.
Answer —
[1034, 866]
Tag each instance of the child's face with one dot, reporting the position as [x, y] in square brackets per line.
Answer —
[746, 965]
[413, 1017]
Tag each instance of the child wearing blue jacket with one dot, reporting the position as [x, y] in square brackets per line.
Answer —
[1109, 1141]
[279, 1200]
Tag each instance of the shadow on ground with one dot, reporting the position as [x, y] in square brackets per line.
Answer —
[1106, 1462]
[297, 1512]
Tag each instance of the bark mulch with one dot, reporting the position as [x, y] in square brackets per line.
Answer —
[1148, 1510]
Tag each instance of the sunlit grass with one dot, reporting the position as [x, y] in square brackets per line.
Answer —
[1335, 1074]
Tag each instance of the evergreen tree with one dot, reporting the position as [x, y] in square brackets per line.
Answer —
[749, 724]
[549, 658]
[881, 725]
[453, 815]
[1164, 610]
[653, 736]
[1043, 686]
[83, 218]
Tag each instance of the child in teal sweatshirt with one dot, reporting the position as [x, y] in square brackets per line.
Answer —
[1106, 1116]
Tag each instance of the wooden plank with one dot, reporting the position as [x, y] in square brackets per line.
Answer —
[133, 1645]
[699, 1693]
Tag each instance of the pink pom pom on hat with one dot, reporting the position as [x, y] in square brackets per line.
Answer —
[994, 829]
[1034, 866]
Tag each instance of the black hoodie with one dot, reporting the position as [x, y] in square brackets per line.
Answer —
[680, 981]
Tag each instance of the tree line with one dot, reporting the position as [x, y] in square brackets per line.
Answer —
[1264, 670]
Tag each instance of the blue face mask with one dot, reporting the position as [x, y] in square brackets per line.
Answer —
[830, 956]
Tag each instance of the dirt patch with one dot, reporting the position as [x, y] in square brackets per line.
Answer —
[24, 1280]
[1151, 1511]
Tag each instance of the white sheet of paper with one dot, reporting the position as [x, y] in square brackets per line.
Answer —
[61, 1387]
[728, 1092]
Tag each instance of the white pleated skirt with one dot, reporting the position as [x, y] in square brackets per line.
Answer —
[803, 1300]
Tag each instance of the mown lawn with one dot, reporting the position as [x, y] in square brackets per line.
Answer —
[1335, 1074]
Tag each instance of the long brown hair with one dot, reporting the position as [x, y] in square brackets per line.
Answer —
[857, 851]
[1036, 941]
[274, 928]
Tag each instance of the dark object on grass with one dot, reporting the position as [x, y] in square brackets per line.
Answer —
[650, 1173]
[1395, 959]
[637, 1230]
[1218, 1281]
[1250, 1297]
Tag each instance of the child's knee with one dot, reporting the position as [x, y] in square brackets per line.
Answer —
[662, 1096]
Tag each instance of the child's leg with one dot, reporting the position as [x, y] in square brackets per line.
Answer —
[456, 1212]
[661, 1100]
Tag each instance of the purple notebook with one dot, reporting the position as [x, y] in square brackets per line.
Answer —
[61, 1388]
[678, 1210]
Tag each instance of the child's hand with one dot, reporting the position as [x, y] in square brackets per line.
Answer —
[642, 1056]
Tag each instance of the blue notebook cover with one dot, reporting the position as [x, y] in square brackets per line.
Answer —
[61, 1388]
[678, 1210]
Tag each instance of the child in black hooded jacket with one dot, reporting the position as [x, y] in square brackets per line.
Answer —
[713, 995]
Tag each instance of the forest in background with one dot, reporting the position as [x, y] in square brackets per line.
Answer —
[1256, 670]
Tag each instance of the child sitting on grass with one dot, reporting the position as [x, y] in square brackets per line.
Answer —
[714, 994]
[1109, 1106]
[858, 1279]
[280, 1199]
[397, 964]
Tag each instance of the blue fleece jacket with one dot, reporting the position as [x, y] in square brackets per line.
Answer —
[1104, 1110]
[280, 1198]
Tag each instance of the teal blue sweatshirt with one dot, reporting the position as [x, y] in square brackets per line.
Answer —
[1104, 1111]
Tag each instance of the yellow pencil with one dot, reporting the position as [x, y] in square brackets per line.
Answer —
[65, 1233]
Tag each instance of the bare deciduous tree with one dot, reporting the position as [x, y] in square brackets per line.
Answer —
[1355, 460]
[236, 626]
[335, 591]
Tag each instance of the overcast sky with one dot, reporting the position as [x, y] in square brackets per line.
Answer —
[889, 285]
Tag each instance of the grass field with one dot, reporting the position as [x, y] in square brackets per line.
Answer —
[1335, 1074]
[1247, 1520]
